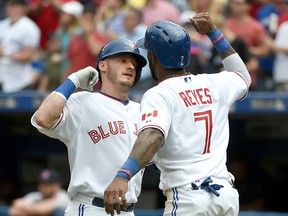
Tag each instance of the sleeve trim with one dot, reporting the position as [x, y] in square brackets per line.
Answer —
[247, 87]
[58, 122]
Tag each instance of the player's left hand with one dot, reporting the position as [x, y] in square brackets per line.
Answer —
[113, 193]
[203, 23]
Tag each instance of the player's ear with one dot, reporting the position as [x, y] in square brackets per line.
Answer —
[102, 65]
[153, 59]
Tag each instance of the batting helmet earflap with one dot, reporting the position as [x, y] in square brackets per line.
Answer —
[169, 42]
[123, 46]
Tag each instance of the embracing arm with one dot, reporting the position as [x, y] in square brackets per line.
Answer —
[147, 144]
[145, 147]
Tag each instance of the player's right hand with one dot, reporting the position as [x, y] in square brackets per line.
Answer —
[114, 193]
[85, 78]
[203, 23]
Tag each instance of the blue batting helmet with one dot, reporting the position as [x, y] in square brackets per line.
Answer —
[123, 46]
[169, 42]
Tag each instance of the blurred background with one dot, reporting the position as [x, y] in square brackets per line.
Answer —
[62, 38]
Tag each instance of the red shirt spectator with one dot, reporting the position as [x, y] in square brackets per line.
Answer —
[46, 16]
[156, 10]
[79, 53]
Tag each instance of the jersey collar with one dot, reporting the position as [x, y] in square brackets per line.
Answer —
[124, 102]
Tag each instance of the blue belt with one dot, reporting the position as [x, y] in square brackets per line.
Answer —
[205, 185]
[100, 203]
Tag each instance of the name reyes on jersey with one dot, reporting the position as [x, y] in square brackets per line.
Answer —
[200, 96]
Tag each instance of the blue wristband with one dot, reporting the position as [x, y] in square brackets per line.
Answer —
[219, 41]
[66, 88]
[222, 45]
[129, 169]
[123, 175]
[214, 35]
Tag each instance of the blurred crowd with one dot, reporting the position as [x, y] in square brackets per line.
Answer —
[47, 198]
[43, 41]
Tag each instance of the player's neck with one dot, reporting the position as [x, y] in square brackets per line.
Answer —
[171, 73]
[115, 93]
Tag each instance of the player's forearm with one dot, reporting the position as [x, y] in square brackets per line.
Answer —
[147, 144]
[230, 58]
[234, 63]
[50, 111]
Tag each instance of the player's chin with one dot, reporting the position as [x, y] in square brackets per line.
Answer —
[128, 81]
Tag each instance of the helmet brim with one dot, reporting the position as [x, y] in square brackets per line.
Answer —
[141, 61]
[140, 43]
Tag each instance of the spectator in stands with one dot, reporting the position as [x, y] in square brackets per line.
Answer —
[250, 31]
[19, 41]
[84, 48]
[200, 6]
[134, 30]
[181, 5]
[136, 3]
[280, 48]
[58, 46]
[200, 45]
[110, 16]
[155, 10]
[240, 47]
[45, 13]
[48, 199]
[283, 17]
[215, 8]
[268, 15]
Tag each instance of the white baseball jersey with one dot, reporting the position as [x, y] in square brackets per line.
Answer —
[192, 112]
[16, 75]
[99, 132]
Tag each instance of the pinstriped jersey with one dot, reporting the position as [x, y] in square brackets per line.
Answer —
[192, 113]
[99, 132]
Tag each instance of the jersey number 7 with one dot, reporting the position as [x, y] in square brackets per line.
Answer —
[205, 116]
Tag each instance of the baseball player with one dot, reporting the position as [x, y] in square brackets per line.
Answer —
[98, 128]
[184, 124]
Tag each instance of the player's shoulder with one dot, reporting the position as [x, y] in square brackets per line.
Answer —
[154, 90]
[159, 92]
[214, 76]
[133, 103]
[82, 96]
